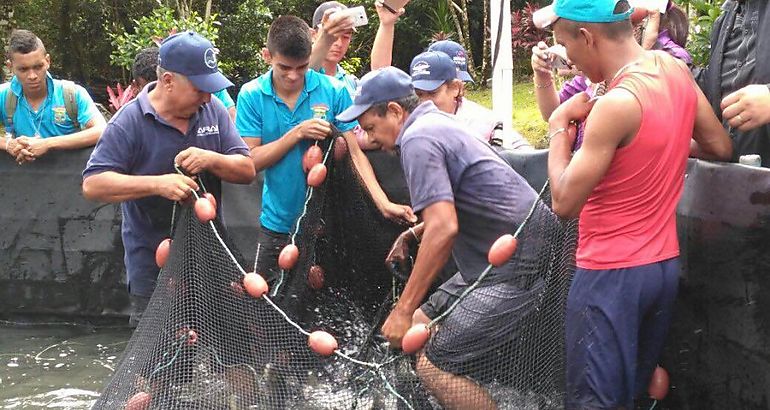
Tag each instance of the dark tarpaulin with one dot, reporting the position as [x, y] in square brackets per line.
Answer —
[61, 255]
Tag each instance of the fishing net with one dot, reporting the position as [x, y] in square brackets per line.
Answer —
[206, 343]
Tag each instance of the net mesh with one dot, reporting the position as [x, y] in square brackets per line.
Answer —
[204, 343]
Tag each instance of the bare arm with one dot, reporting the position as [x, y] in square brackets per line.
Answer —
[545, 90]
[114, 187]
[37, 147]
[382, 48]
[440, 231]
[364, 168]
[332, 26]
[573, 178]
[709, 138]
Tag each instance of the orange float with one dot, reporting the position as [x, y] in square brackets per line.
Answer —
[204, 210]
[161, 254]
[139, 401]
[322, 343]
[658, 388]
[312, 157]
[315, 277]
[255, 284]
[415, 338]
[288, 257]
[317, 175]
[502, 250]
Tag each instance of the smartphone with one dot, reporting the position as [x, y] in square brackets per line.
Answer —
[358, 13]
[558, 56]
[394, 6]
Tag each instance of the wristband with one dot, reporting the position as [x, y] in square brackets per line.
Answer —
[7, 141]
[557, 132]
[547, 85]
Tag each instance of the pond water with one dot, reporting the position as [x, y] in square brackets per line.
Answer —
[56, 366]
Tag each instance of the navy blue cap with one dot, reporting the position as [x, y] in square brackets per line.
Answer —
[458, 54]
[192, 55]
[385, 84]
[431, 69]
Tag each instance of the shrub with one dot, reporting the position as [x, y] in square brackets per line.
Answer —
[524, 36]
[157, 25]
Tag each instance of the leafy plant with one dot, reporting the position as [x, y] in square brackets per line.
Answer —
[120, 96]
[699, 44]
[440, 18]
[242, 36]
[352, 65]
[524, 36]
[158, 24]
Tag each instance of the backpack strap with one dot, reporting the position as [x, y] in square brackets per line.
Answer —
[11, 101]
[71, 103]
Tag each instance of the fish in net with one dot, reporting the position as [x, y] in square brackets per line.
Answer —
[205, 342]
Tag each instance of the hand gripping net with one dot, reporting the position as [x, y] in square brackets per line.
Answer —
[205, 343]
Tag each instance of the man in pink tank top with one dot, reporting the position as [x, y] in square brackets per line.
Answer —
[624, 184]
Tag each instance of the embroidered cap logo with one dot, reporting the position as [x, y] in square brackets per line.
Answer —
[210, 58]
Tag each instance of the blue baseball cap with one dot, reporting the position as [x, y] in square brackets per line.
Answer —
[584, 11]
[458, 55]
[192, 55]
[431, 69]
[385, 84]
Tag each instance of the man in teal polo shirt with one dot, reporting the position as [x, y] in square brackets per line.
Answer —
[280, 114]
[37, 110]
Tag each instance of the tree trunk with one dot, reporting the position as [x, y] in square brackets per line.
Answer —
[485, 46]
[7, 24]
[460, 18]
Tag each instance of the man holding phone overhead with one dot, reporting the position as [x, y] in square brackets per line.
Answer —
[333, 26]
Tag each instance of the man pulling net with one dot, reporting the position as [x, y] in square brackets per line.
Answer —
[467, 197]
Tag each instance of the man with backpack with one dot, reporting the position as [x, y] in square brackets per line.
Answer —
[40, 113]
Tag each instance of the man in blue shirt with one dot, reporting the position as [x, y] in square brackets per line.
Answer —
[467, 197]
[330, 43]
[144, 72]
[172, 121]
[34, 108]
[280, 115]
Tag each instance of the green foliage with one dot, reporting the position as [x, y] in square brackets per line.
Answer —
[352, 64]
[441, 18]
[699, 44]
[242, 36]
[157, 25]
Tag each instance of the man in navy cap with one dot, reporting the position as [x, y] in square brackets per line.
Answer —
[467, 197]
[172, 122]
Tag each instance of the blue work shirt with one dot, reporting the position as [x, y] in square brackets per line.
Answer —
[262, 114]
[50, 119]
[350, 81]
[444, 161]
[224, 96]
[137, 141]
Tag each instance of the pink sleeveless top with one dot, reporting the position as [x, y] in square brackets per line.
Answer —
[630, 217]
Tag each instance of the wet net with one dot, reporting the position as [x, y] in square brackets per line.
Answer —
[205, 343]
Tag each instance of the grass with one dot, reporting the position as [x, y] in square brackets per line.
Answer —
[526, 116]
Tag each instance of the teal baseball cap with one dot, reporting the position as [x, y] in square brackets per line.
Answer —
[584, 11]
